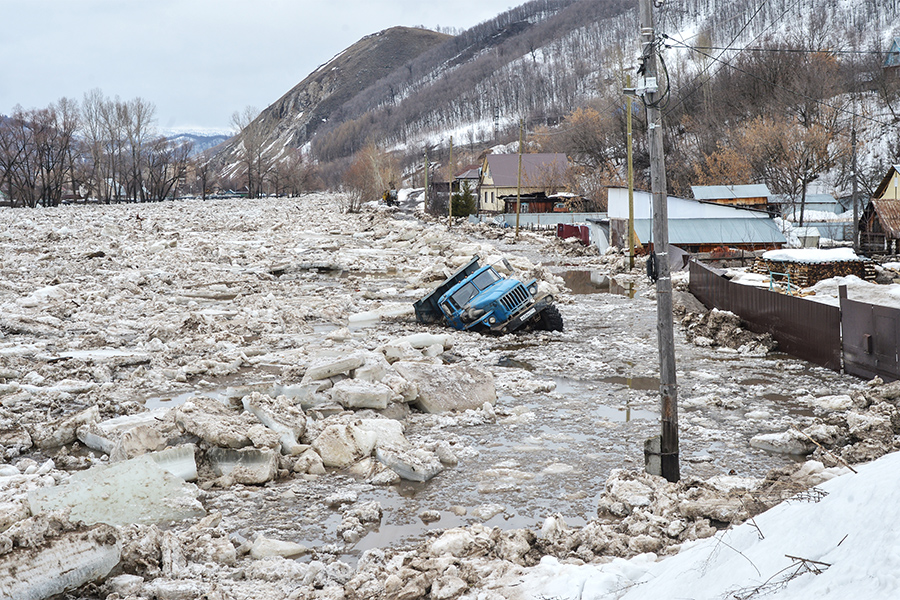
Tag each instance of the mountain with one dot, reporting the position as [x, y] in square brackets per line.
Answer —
[409, 89]
[200, 142]
[295, 118]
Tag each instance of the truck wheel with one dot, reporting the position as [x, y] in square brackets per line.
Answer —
[551, 320]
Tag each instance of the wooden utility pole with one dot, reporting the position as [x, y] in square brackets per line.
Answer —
[853, 193]
[519, 178]
[427, 205]
[450, 202]
[668, 388]
[628, 150]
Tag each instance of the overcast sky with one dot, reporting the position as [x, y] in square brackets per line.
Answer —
[198, 61]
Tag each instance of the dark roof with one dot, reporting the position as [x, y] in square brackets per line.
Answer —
[888, 211]
[504, 168]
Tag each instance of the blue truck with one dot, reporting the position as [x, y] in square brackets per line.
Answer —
[478, 298]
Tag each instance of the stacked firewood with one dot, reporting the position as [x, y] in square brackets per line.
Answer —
[806, 274]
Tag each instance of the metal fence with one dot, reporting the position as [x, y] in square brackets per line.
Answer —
[871, 339]
[806, 329]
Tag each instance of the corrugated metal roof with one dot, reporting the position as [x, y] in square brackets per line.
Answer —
[716, 231]
[889, 215]
[734, 192]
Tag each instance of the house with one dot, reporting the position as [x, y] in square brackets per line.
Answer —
[694, 226]
[542, 175]
[830, 215]
[748, 196]
[469, 175]
[879, 224]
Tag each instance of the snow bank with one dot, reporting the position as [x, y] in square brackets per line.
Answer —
[817, 545]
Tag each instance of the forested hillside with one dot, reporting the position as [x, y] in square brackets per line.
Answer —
[813, 73]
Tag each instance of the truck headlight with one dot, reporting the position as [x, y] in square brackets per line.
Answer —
[492, 320]
[532, 289]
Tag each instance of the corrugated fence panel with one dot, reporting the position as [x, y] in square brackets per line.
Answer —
[871, 340]
[809, 330]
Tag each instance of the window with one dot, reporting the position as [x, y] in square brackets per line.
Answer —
[484, 280]
[464, 294]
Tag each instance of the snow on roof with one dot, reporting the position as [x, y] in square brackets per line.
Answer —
[850, 528]
[812, 255]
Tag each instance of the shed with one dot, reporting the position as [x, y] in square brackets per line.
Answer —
[879, 226]
[694, 226]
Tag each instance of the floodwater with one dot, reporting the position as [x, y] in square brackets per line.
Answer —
[595, 282]
[589, 398]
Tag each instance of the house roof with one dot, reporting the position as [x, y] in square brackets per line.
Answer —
[678, 208]
[715, 231]
[732, 192]
[879, 192]
[469, 172]
[888, 211]
[504, 168]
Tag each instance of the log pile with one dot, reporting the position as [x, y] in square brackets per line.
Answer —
[806, 274]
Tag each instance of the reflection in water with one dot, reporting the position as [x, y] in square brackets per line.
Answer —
[594, 282]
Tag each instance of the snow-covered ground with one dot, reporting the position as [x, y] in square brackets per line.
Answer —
[835, 540]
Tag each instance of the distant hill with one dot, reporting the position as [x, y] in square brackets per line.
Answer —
[295, 117]
[200, 142]
[407, 89]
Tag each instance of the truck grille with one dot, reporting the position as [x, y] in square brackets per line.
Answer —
[514, 298]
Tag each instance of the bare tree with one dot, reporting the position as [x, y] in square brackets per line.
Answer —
[254, 159]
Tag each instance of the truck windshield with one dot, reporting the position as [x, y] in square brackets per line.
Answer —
[484, 279]
[464, 294]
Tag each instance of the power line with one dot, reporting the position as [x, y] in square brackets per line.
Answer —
[779, 50]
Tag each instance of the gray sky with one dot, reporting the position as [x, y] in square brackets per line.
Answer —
[198, 61]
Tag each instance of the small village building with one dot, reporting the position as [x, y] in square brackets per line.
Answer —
[470, 176]
[693, 226]
[542, 175]
[879, 224]
[747, 196]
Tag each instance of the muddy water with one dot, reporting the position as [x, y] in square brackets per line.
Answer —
[551, 451]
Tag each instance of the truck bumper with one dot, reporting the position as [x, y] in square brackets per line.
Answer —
[523, 318]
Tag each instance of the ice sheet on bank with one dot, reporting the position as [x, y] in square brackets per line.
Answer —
[133, 491]
[853, 546]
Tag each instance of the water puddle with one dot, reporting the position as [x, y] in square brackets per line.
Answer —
[594, 282]
[634, 383]
[624, 413]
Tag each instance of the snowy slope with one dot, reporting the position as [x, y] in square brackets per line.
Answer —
[851, 531]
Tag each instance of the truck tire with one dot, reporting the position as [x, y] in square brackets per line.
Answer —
[551, 320]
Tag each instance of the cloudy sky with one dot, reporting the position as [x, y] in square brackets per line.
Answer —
[198, 61]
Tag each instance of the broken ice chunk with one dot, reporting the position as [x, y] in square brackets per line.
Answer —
[133, 491]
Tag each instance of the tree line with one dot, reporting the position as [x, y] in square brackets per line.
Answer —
[108, 150]
[103, 149]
